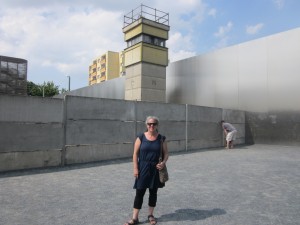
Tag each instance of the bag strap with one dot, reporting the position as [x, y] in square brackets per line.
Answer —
[161, 149]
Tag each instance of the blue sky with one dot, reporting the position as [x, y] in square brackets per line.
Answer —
[62, 37]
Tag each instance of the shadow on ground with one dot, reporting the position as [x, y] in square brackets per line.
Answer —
[191, 215]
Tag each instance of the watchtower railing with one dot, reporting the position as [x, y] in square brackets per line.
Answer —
[147, 13]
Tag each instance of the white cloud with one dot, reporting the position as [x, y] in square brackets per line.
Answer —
[181, 54]
[279, 3]
[185, 17]
[177, 41]
[254, 29]
[223, 35]
[59, 38]
[224, 30]
[183, 14]
[180, 47]
[63, 38]
[222, 43]
[212, 12]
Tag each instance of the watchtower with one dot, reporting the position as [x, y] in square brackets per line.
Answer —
[146, 31]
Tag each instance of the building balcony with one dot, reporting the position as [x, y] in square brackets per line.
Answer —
[102, 78]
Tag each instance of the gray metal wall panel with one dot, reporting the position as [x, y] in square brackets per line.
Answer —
[205, 94]
[259, 75]
[111, 89]
[177, 81]
[253, 76]
[226, 73]
[283, 52]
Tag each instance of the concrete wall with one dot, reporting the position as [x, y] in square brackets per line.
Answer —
[274, 128]
[42, 132]
[31, 132]
[98, 129]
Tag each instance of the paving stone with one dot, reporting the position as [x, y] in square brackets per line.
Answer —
[249, 185]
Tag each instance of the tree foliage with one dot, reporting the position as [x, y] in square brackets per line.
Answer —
[48, 89]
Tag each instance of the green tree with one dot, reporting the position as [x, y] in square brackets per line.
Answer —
[33, 89]
[48, 89]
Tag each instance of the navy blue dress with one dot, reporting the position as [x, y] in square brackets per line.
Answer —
[148, 158]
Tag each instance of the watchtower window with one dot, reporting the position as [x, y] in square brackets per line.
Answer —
[147, 39]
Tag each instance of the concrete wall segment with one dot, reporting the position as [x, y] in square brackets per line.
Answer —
[204, 130]
[205, 114]
[233, 116]
[30, 109]
[152, 70]
[165, 112]
[95, 129]
[28, 160]
[94, 153]
[279, 128]
[134, 70]
[173, 130]
[82, 108]
[153, 95]
[176, 145]
[99, 131]
[133, 94]
[133, 83]
[16, 137]
[153, 83]
[202, 144]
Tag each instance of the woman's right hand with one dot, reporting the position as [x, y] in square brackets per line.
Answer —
[136, 173]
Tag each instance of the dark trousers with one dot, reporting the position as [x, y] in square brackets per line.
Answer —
[139, 196]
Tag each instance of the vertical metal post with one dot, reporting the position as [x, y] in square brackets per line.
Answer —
[69, 82]
[186, 127]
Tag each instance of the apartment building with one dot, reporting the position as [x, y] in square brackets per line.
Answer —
[108, 66]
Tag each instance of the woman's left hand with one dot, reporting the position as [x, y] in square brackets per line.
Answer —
[160, 166]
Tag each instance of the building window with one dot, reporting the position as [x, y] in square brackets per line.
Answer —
[147, 39]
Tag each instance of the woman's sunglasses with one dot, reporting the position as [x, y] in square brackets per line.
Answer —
[151, 124]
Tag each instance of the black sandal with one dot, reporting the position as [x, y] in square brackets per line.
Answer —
[152, 220]
[132, 222]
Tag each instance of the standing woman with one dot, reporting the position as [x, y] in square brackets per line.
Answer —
[146, 165]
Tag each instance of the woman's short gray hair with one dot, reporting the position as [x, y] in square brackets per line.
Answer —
[152, 117]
